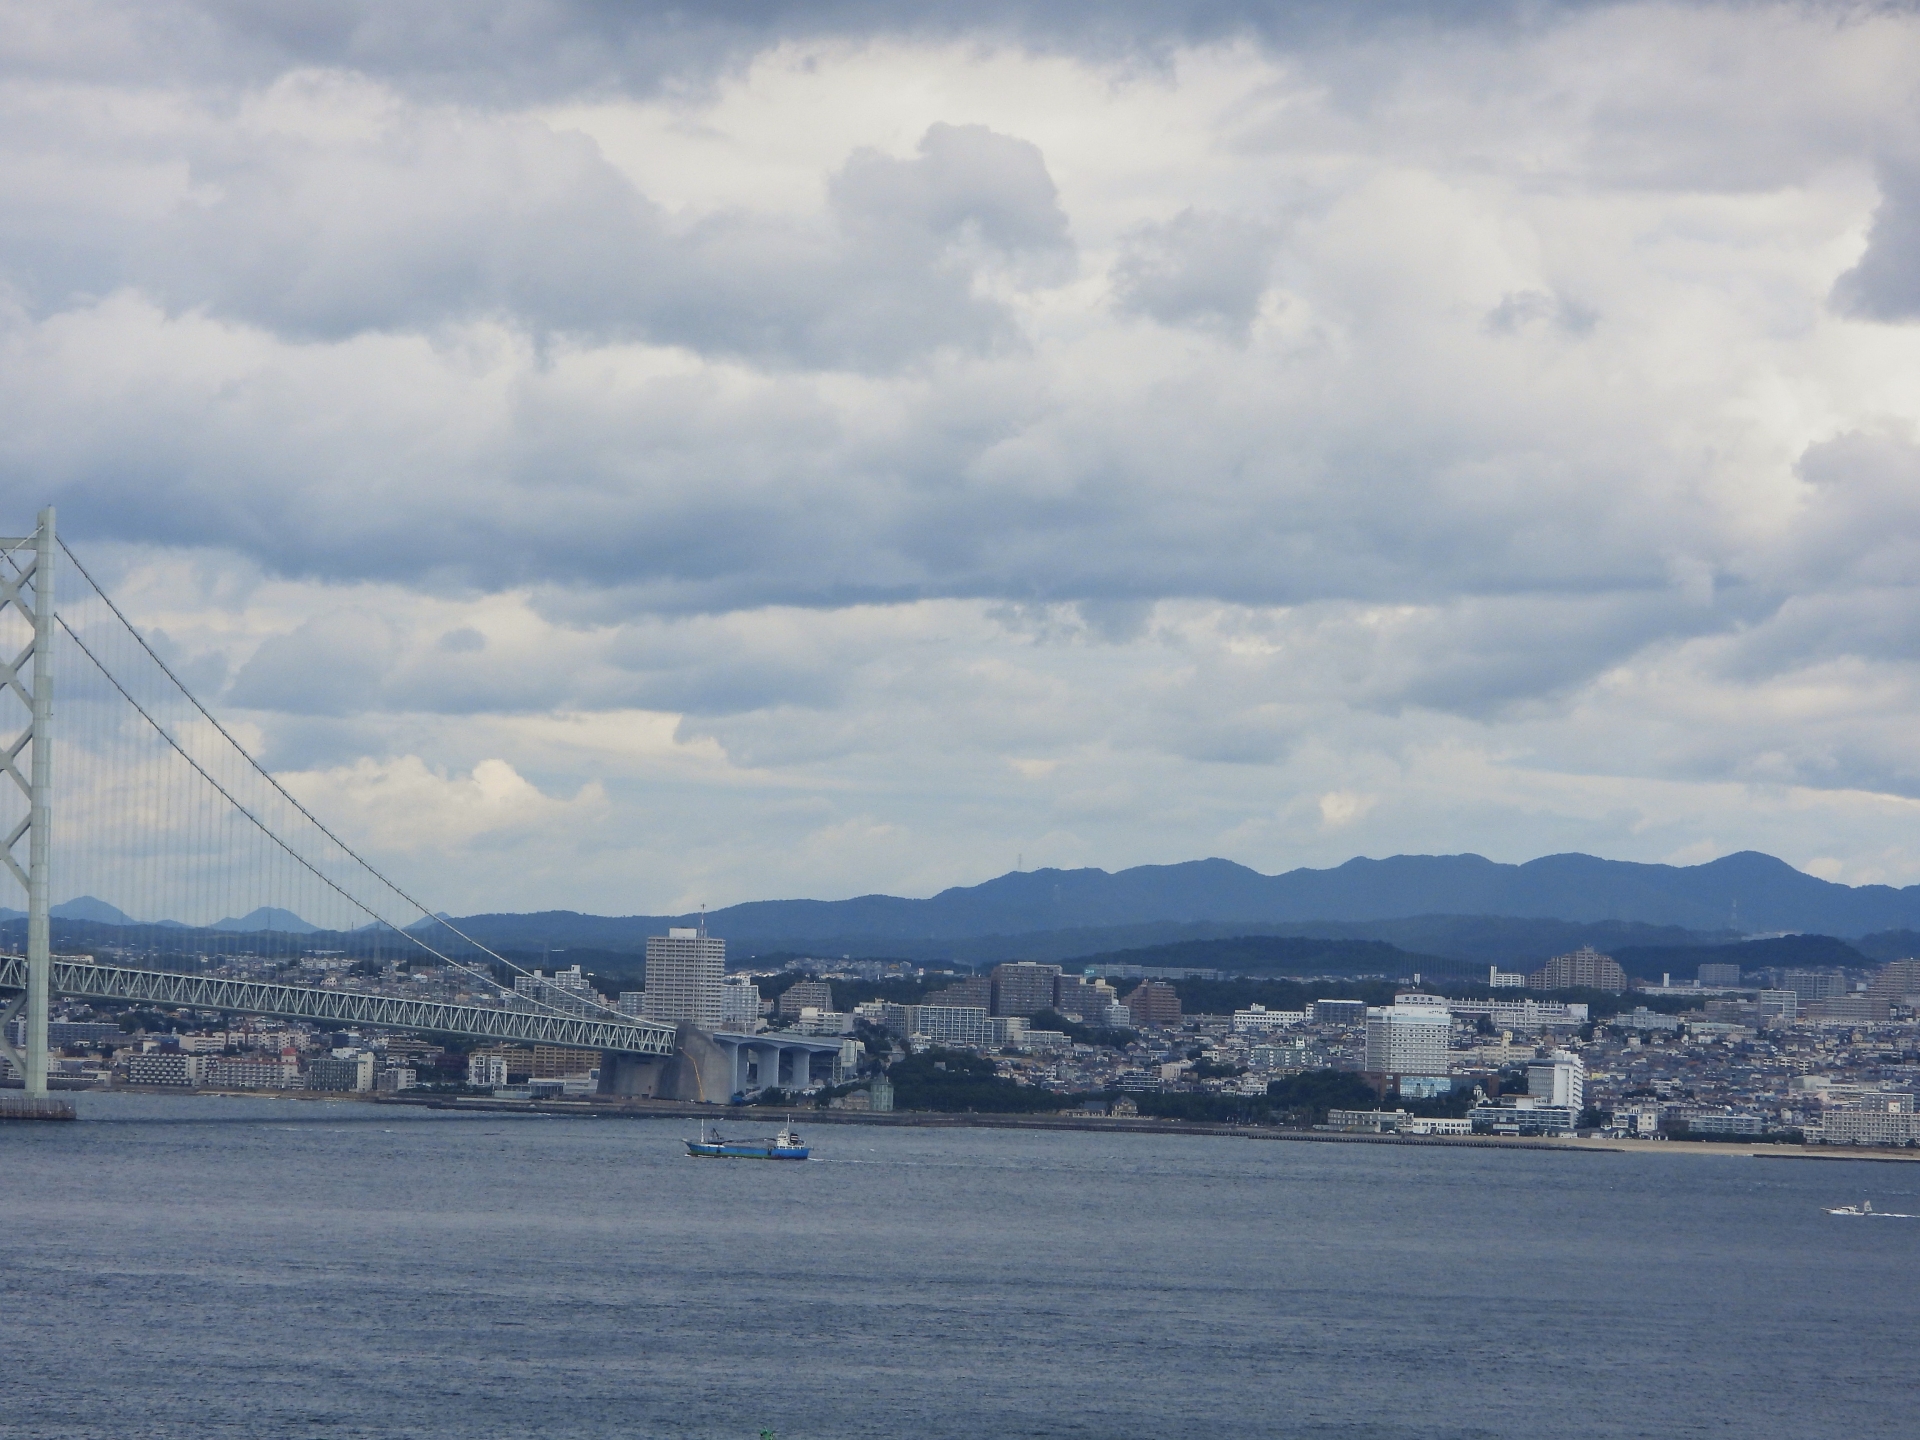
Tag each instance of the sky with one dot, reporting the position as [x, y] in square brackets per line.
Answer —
[620, 458]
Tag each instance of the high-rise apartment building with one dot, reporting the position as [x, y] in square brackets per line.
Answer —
[974, 990]
[567, 991]
[1814, 984]
[1894, 984]
[1584, 969]
[1719, 974]
[1090, 1000]
[1023, 988]
[1153, 1004]
[685, 970]
[1408, 1039]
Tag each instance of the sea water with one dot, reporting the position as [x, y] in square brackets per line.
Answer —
[272, 1268]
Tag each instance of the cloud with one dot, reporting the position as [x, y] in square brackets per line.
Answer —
[1098, 432]
[1885, 284]
[401, 804]
[1201, 269]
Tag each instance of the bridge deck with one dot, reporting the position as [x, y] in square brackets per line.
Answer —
[84, 979]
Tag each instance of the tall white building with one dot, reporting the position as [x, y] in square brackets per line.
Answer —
[1560, 1079]
[1408, 1037]
[686, 972]
[739, 1003]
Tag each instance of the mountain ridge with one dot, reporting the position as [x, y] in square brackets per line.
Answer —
[1436, 904]
[1745, 892]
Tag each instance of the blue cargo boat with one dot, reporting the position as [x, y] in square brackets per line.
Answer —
[784, 1146]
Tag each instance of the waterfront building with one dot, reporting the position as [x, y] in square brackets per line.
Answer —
[1882, 1119]
[1559, 1079]
[1367, 1122]
[396, 1078]
[517, 1060]
[1153, 1004]
[1725, 1123]
[880, 1095]
[354, 1073]
[163, 1067]
[1583, 969]
[1523, 1117]
[1022, 987]
[219, 1072]
[1643, 1121]
[486, 1071]
[62, 1033]
[685, 970]
[553, 1062]
[1408, 1039]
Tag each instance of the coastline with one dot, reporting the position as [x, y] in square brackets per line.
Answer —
[600, 1108]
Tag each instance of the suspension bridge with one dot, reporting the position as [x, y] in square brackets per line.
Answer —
[157, 810]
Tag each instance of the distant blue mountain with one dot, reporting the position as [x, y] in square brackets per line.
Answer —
[267, 918]
[1746, 893]
[86, 907]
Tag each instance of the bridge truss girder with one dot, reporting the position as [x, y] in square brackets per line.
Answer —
[83, 979]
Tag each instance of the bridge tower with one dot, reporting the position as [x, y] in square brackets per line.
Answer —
[32, 576]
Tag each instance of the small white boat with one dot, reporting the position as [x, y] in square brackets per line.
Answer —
[1866, 1211]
